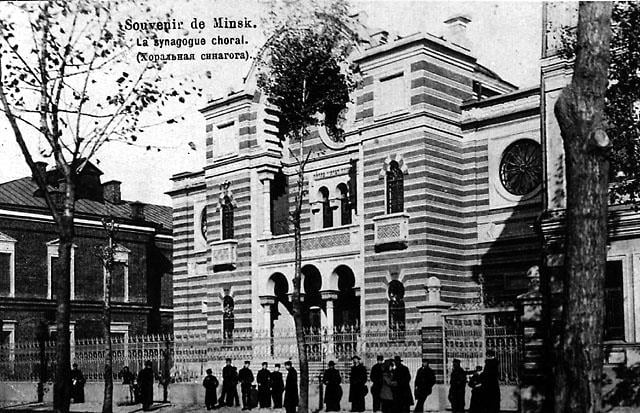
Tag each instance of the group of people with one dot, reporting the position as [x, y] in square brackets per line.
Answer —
[390, 386]
[484, 384]
[140, 388]
[269, 391]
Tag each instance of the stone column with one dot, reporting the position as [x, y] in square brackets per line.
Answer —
[329, 297]
[532, 380]
[266, 204]
[266, 301]
[432, 342]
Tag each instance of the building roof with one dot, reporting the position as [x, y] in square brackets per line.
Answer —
[19, 194]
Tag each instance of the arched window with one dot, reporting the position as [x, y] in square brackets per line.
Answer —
[395, 188]
[227, 218]
[345, 205]
[228, 319]
[327, 213]
[397, 314]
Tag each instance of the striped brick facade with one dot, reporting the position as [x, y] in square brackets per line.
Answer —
[457, 227]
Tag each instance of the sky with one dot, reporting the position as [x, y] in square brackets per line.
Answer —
[505, 36]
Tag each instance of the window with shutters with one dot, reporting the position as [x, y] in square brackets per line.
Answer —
[227, 219]
[395, 188]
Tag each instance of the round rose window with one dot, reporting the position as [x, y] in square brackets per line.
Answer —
[521, 167]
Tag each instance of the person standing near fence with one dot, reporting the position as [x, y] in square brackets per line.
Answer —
[210, 384]
[263, 378]
[333, 390]
[246, 379]
[477, 404]
[229, 385]
[128, 378]
[376, 382]
[291, 388]
[277, 386]
[357, 385]
[403, 397]
[77, 384]
[489, 381]
[457, 385]
[388, 387]
[425, 379]
[145, 383]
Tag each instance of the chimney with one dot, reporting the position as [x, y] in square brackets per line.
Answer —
[379, 38]
[457, 30]
[111, 192]
[137, 211]
[42, 167]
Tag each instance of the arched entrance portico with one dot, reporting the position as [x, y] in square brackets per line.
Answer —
[347, 304]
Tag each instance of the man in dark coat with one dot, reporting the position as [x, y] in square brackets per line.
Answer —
[291, 389]
[264, 386]
[403, 396]
[425, 379]
[457, 385]
[229, 392]
[277, 386]
[128, 378]
[245, 376]
[210, 384]
[477, 404]
[376, 382]
[77, 384]
[489, 381]
[145, 383]
[357, 385]
[333, 390]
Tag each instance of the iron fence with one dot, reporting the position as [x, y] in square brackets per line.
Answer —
[470, 336]
[185, 358]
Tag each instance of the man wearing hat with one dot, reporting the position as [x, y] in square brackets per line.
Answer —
[264, 386]
[210, 384]
[457, 385]
[229, 393]
[145, 382]
[277, 386]
[246, 378]
[357, 385]
[333, 390]
[376, 382]
[403, 394]
[291, 389]
[425, 380]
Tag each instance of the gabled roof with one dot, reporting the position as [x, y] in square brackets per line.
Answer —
[19, 195]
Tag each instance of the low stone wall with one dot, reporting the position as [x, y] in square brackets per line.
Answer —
[186, 394]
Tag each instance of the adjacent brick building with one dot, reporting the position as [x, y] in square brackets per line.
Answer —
[142, 283]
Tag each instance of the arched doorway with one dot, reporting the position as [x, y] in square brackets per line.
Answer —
[312, 283]
[347, 305]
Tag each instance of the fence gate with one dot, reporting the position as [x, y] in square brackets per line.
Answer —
[470, 335]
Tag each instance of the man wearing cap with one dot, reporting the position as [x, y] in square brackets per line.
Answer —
[291, 389]
[403, 395]
[425, 379]
[277, 386]
[357, 385]
[264, 386]
[457, 385]
[229, 392]
[246, 378]
[333, 390]
[376, 382]
[210, 384]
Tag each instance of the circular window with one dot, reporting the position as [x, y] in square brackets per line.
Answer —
[521, 167]
[203, 223]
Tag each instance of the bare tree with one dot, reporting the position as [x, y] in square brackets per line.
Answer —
[67, 87]
[580, 113]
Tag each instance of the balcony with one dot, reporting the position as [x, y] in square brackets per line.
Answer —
[391, 231]
[224, 254]
[322, 243]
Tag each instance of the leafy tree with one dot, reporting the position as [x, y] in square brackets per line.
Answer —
[580, 111]
[304, 73]
[68, 85]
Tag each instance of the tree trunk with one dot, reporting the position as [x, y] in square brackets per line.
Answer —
[107, 403]
[303, 406]
[580, 111]
[62, 385]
